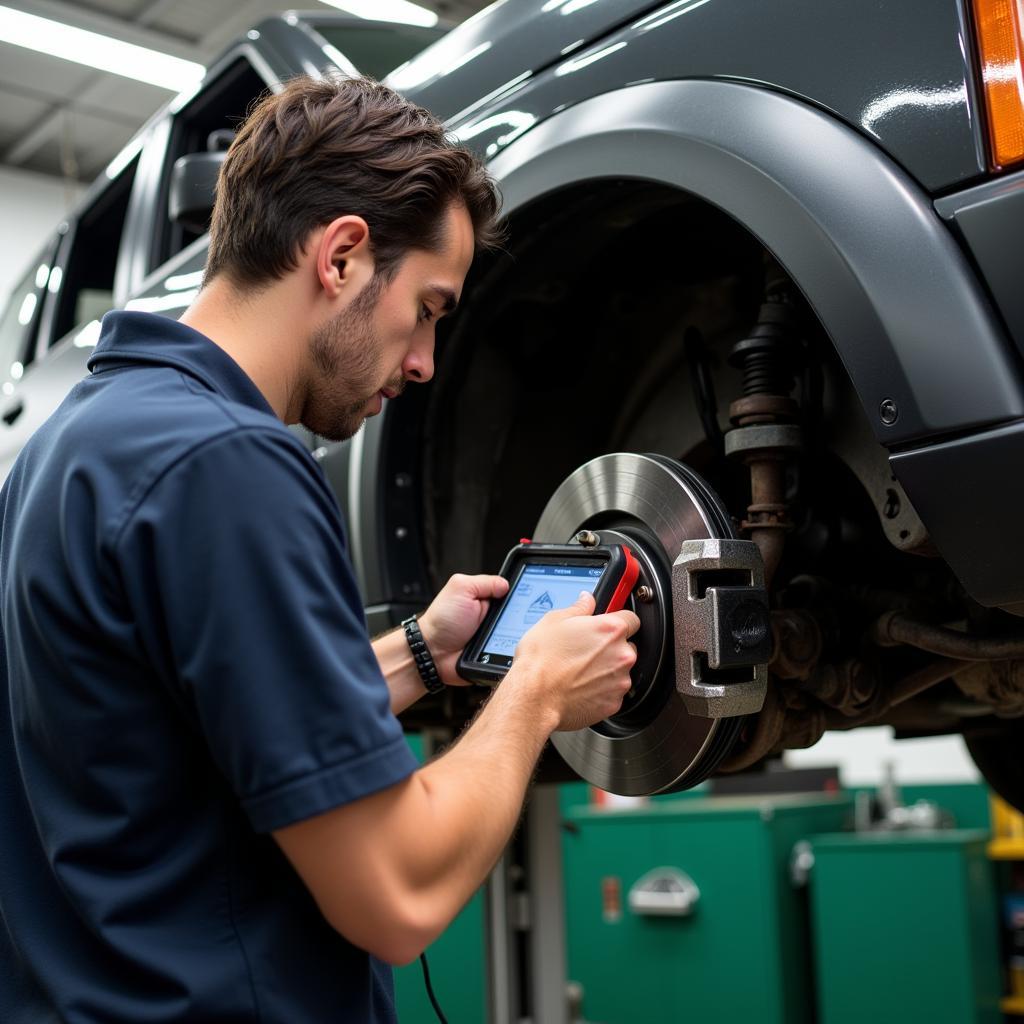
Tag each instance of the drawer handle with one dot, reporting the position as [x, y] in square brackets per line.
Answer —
[664, 892]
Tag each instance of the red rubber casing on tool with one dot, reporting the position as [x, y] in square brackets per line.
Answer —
[629, 577]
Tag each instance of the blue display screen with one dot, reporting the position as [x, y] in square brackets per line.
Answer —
[538, 590]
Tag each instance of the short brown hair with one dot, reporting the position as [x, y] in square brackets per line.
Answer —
[324, 148]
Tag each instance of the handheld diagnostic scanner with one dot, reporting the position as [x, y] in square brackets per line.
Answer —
[542, 578]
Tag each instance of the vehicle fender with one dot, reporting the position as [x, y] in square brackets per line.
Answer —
[860, 238]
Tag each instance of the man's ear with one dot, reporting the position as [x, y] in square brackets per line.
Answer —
[343, 259]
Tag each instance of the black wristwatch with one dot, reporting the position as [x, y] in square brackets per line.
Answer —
[422, 656]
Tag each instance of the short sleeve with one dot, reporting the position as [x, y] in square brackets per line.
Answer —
[235, 570]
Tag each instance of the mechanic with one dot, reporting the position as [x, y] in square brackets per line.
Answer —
[208, 811]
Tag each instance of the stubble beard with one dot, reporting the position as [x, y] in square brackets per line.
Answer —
[347, 354]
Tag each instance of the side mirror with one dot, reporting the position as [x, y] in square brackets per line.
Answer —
[194, 183]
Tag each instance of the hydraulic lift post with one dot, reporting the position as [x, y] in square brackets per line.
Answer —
[524, 914]
[525, 921]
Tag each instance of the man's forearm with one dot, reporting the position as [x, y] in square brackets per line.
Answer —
[474, 796]
[471, 797]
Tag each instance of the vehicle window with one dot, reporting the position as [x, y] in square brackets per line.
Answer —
[376, 50]
[208, 121]
[87, 291]
[18, 323]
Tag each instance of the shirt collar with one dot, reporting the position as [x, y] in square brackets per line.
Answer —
[133, 339]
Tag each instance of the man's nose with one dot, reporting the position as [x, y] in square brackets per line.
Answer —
[419, 363]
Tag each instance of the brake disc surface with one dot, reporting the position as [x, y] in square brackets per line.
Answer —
[652, 503]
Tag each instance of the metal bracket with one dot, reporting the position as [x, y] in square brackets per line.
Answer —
[722, 627]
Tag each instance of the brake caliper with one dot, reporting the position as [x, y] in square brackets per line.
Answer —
[722, 627]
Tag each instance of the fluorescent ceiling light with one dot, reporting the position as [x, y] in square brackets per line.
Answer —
[97, 51]
[387, 10]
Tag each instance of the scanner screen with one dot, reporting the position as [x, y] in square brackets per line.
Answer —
[539, 589]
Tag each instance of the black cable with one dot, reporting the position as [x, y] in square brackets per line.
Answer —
[430, 990]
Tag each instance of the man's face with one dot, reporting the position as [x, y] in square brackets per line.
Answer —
[385, 336]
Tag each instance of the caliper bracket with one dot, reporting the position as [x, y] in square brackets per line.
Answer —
[722, 627]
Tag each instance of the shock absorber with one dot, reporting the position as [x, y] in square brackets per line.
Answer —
[765, 432]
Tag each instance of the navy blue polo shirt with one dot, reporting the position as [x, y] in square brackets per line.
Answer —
[185, 667]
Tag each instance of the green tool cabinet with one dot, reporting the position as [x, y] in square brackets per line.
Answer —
[742, 951]
[906, 928]
[458, 971]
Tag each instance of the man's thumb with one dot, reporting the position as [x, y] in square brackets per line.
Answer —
[583, 605]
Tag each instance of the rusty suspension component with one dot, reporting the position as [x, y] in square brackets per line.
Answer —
[783, 727]
[898, 628]
[764, 430]
[993, 672]
[997, 685]
[807, 698]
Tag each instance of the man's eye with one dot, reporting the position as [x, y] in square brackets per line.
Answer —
[426, 313]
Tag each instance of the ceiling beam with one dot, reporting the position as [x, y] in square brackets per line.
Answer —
[51, 124]
[154, 11]
[82, 105]
[44, 130]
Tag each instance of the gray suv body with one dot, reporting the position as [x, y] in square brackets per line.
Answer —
[654, 158]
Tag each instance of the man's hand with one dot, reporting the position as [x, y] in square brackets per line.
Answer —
[454, 616]
[576, 664]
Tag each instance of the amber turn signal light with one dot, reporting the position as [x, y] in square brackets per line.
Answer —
[1000, 30]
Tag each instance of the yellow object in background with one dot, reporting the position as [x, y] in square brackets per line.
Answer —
[1007, 844]
[1007, 831]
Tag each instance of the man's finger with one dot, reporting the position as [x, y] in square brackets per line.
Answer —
[583, 605]
[484, 586]
[630, 619]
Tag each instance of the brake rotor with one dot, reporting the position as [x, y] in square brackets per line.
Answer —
[653, 504]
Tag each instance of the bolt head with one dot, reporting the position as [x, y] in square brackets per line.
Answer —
[889, 412]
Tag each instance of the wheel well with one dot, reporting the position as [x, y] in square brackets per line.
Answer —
[570, 346]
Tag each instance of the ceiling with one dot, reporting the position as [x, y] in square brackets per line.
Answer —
[69, 121]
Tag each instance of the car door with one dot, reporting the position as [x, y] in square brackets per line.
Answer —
[79, 289]
[19, 324]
